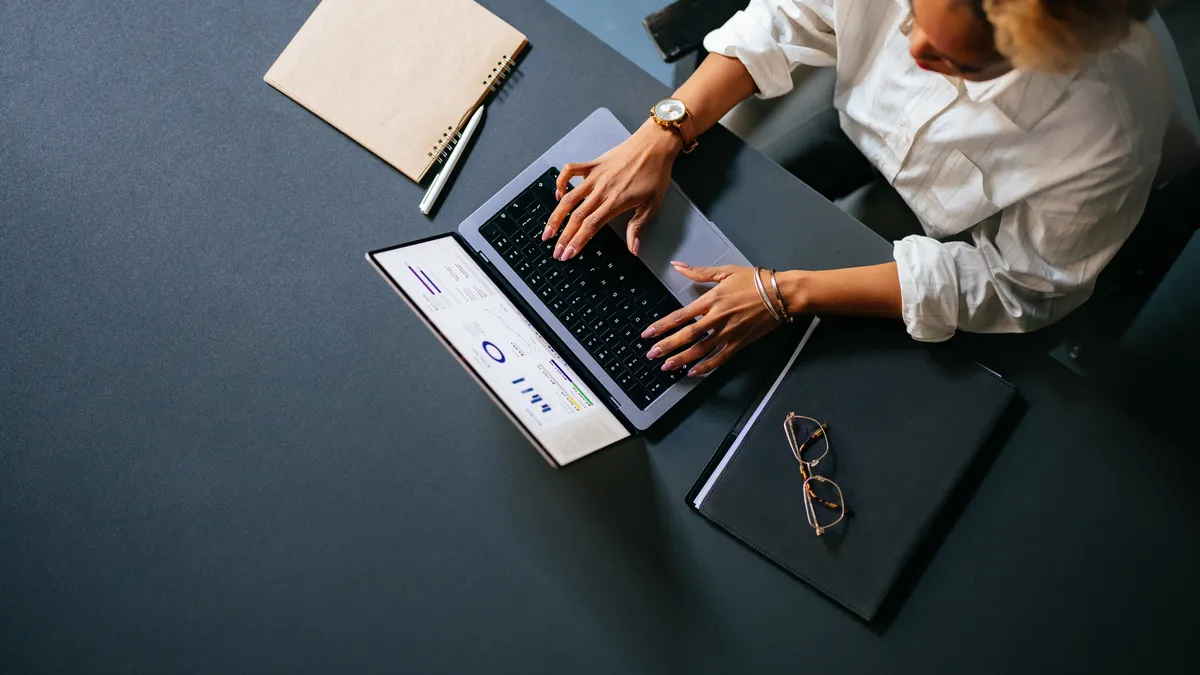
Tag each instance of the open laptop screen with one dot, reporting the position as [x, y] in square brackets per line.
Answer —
[492, 338]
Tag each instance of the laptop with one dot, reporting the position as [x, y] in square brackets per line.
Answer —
[558, 345]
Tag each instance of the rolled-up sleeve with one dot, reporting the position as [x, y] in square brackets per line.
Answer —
[1032, 267]
[771, 37]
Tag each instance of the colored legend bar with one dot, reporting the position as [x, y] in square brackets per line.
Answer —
[561, 371]
[582, 395]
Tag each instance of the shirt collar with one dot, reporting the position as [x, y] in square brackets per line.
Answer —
[1024, 96]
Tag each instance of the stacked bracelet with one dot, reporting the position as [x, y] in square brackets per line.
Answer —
[762, 293]
[787, 316]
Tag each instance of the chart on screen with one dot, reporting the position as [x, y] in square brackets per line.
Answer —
[522, 369]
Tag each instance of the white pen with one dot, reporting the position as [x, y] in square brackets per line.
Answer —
[439, 181]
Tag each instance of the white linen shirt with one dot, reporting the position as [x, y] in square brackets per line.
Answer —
[1051, 171]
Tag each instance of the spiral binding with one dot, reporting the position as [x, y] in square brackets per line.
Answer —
[503, 69]
[441, 150]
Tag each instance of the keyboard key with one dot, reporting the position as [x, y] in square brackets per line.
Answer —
[623, 377]
[513, 256]
[670, 377]
[491, 231]
[579, 329]
[637, 394]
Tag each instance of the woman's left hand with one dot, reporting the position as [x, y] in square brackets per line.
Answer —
[732, 315]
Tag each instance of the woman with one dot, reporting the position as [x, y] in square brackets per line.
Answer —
[1033, 126]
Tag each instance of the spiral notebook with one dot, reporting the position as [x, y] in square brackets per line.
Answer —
[400, 77]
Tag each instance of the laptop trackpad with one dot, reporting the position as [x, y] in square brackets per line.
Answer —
[679, 232]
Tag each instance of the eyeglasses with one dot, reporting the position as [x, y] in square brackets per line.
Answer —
[819, 491]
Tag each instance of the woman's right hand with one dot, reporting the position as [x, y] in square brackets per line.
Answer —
[634, 175]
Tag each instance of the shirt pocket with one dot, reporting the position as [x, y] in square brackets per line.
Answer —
[960, 196]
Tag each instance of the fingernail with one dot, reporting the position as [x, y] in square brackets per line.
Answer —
[557, 195]
[695, 373]
[649, 333]
[569, 253]
[669, 365]
[546, 233]
[684, 265]
[654, 353]
[557, 251]
[637, 243]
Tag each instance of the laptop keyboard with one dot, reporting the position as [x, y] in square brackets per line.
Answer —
[605, 295]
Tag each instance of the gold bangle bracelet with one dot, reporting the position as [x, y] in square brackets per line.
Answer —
[762, 293]
[782, 305]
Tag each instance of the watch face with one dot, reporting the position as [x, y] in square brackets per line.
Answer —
[669, 110]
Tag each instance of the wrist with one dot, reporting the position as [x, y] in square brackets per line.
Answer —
[662, 139]
[795, 286]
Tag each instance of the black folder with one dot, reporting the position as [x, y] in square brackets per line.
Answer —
[905, 420]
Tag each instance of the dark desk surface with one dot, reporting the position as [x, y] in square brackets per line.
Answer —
[225, 446]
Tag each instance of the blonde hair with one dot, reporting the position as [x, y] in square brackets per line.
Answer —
[1056, 35]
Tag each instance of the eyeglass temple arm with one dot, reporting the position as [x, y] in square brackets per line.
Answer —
[815, 435]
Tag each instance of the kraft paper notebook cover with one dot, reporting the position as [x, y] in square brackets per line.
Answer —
[400, 77]
[905, 420]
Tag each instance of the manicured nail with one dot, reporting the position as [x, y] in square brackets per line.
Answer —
[637, 243]
[569, 253]
[557, 195]
[654, 353]
[557, 251]
[546, 233]
[684, 265]
[649, 332]
[695, 372]
[669, 365]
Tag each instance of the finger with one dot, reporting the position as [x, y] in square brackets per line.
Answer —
[715, 360]
[694, 353]
[565, 250]
[680, 339]
[677, 318]
[633, 232]
[588, 228]
[569, 171]
[704, 274]
[565, 206]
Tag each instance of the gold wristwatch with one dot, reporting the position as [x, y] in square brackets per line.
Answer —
[673, 114]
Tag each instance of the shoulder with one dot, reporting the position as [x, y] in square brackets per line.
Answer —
[1116, 108]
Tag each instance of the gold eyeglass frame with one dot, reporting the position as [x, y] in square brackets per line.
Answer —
[807, 471]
